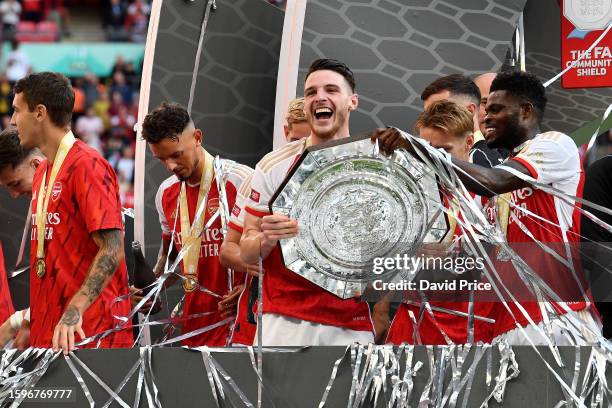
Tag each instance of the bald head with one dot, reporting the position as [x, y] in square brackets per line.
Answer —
[483, 82]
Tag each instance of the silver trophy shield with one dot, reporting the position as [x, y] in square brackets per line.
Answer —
[353, 204]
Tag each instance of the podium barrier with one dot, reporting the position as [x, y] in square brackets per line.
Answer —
[180, 377]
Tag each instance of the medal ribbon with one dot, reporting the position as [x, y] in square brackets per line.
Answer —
[192, 233]
[502, 201]
[42, 201]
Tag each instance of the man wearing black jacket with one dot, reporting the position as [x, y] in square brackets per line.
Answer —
[597, 241]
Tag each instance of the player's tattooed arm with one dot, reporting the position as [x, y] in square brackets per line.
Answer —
[71, 316]
[109, 257]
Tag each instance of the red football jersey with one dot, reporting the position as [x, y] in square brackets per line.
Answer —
[211, 274]
[85, 199]
[454, 326]
[285, 292]
[552, 158]
[244, 331]
[6, 303]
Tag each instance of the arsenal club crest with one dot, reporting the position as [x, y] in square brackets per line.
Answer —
[213, 206]
[56, 191]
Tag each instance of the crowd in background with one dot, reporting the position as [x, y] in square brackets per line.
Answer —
[106, 109]
[105, 112]
[14, 11]
[126, 20]
[122, 20]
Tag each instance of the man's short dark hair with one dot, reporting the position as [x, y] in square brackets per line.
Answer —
[524, 86]
[333, 65]
[12, 153]
[168, 120]
[456, 85]
[51, 89]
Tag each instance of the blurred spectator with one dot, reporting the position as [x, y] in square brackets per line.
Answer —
[6, 121]
[122, 125]
[32, 10]
[115, 15]
[137, 20]
[114, 147]
[56, 12]
[101, 108]
[118, 66]
[17, 63]
[119, 85]
[10, 10]
[138, 6]
[115, 102]
[79, 98]
[131, 77]
[136, 26]
[125, 165]
[89, 128]
[6, 98]
[134, 107]
[91, 87]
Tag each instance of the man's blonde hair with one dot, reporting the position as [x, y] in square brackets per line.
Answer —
[295, 112]
[448, 117]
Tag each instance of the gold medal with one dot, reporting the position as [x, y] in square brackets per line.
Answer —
[189, 283]
[42, 201]
[192, 233]
[41, 267]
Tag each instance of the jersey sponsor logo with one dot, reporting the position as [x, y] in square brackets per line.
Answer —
[213, 206]
[519, 199]
[236, 210]
[211, 241]
[52, 219]
[521, 194]
[255, 195]
[56, 191]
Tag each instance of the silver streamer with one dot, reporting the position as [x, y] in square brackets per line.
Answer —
[378, 372]
[13, 377]
[215, 372]
[260, 333]
[93, 375]
[382, 375]
[211, 5]
[81, 382]
[224, 212]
